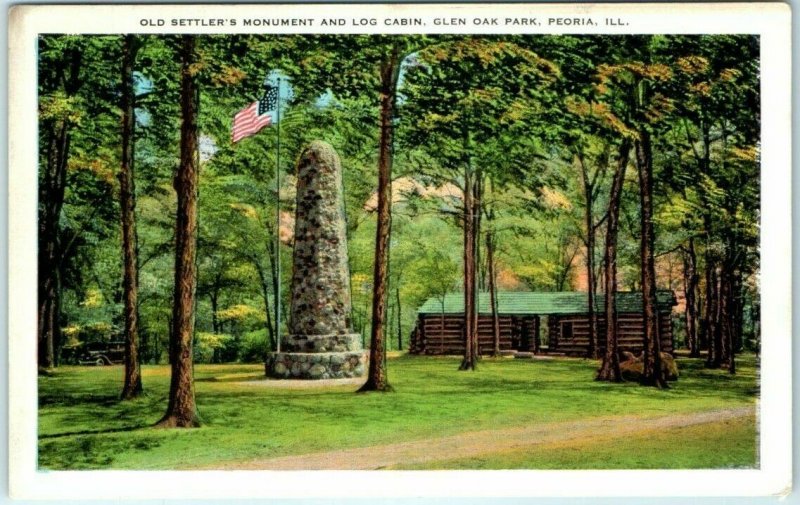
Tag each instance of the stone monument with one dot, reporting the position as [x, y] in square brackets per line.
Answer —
[321, 343]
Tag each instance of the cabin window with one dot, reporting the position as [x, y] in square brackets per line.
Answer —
[566, 331]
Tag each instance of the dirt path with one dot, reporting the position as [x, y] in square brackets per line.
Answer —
[471, 444]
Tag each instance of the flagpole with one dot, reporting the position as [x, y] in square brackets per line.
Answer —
[278, 219]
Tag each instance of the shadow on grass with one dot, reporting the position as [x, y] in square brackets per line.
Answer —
[123, 429]
[71, 400]
[233, 378]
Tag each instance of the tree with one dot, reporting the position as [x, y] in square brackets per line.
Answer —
[181, 411]
[127, 195]
[652, 373]
[463, 93]
[350, 66]
[609, 369]
[630, 103]
[60, 65]
[389, 70]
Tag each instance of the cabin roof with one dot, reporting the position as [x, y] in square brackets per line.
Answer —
[544, 303]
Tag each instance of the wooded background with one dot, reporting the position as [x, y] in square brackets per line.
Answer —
[513, 164]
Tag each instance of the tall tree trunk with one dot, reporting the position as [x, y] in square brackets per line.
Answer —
[738, 311]
[51, 201]
[399, 320]
[609, 370]
[588, 194]
[265, 294]
[713, 359]
[181, 411]
[492, 273]
[480, 271]
[377, 379]
[727, 317]
[690, 282]
[214, 298]
[477, 196]
[470, 353]
[653, 374]
[127, 201]
[273, 263]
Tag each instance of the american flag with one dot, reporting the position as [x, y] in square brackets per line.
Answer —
[255, 116]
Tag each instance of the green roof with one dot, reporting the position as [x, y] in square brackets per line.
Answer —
[526, 302]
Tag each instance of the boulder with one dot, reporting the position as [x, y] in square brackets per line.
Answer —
[633, 367]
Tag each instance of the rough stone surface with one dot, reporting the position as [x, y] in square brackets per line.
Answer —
[337, 365]
[321, 276]
[321, 344]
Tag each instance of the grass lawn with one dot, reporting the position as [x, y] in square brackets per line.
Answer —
[723, 444]
[83, 425]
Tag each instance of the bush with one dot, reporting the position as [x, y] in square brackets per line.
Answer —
[209, 347]
[253, 347]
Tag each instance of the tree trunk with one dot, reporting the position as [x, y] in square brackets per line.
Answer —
[491, 270]
[470, 353]
[377, 379]
[214, 298]
[51, 200]
[268, 322]
[127, 199]
[690, 281]
[181, 411]
[714, 357]
[477, 195]
[399, 320]
[441, 325]
[727, 319]
[265, 294]
[653, 374]
[588, 194]
[273, 263]
[609, 370]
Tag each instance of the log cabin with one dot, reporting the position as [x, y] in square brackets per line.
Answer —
[541, 323]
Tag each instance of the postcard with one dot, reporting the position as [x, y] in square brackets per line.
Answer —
[327, 251]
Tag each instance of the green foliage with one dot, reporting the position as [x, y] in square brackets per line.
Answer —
[529, 114]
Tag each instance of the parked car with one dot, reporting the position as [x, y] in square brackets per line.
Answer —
[102, 353]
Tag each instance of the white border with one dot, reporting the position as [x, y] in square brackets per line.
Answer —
[770, 20]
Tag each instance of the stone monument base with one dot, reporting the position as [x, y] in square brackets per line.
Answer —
[316, 365]
[333, 356]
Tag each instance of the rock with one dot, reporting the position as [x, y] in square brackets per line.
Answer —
[279, 368]
[669, 366]
[359, 370]
[631, 370]
[633, 367]
[316, 371]
[337, 359]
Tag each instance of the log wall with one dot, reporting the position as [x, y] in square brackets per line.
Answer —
[630, 337]
[436, 334]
